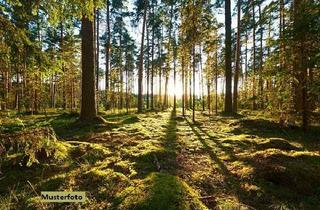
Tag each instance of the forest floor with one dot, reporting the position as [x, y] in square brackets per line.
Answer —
[160, 161]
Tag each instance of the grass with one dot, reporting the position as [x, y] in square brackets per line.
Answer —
[165, 161]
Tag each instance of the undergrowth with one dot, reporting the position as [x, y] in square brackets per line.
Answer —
[159, 161]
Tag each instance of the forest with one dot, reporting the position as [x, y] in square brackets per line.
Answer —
[160, 104]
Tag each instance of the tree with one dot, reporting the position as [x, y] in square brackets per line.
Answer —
[140, 72]
[108, 45]
[237, 67]
[254, 104]
[88, 101]
[228, 70]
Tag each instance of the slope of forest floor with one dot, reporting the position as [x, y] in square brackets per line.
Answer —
[159, 161]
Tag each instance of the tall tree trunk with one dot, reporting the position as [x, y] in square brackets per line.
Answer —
[246, 68]
[174, 78]
[190, 81]
[165, 102]
[186, 75]
[148, 70]
[183, 84]
[140, 73]
[268, 85]
[281, 26]
[108, 45]
[18, 97]
[160, 72]
[120, 86]
[6, 87]
[152, 63]
[97, 54]
[261, 62]
[193, 82]
[209, 96]
[300, 66]
[216, 79]
[237, 69]
[88, 101]
[64, 103]
[254, 104]
[201, 80]
[127, 86]
[228, 70]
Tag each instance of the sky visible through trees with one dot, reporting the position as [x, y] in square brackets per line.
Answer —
[135, 32]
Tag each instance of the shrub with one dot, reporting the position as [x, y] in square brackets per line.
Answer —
[32, 147]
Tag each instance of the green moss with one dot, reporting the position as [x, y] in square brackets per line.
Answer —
[160, 191]
[53, 183]
[237, 162]
[89, 153]
[230, 204]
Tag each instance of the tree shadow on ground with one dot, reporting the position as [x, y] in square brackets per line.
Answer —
[163, 159]
[159, 191]
[158, 186]
[270, 129]
[230, 180]
[66, 126]
[279, 176]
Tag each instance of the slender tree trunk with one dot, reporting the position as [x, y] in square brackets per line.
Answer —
[246, 68]
[193, 83]
[152, 64]
[254, 104]
[174, 79]
[209, 97]
[186, 75]
[261, 62]
[300, 66]
[6, 85]
[183, 84]
[127, 87]
[88, 102]
[228, 70]
[281, 25]
[160, 73]
[120, 86]
[190, 81]
[216, 80]
[237, 69]
[165, 102]
[97, 55]
[202, 83]
[108, 45]
[72, 95]
[268, 55]
[64, 103]
[140, 73]
[148, 70]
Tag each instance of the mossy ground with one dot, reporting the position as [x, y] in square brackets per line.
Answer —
[165, 161]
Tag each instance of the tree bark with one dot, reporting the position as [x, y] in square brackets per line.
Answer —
[174, 79]
[183, 84]
[107, 56]
[216, 79]
[228, 70]
[88, 101]
[152, 63]
[140, 72]
[148, 70]
[254, 104]
[261, 62]
[97, 54]
[193, 83]
[238, 52]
